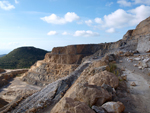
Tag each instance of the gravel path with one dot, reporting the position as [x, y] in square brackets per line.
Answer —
[141, 92]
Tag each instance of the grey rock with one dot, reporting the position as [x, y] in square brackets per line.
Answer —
[98, 109]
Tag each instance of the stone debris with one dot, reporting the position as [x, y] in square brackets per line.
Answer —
[133, 84]
[124, 77]
[135, 65]
[129, 59]
[98, 109]
[146, 60]
[113, 107]
[140, 67]
[142, 64]
[137, 59]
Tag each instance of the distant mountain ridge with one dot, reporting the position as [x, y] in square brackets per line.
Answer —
[3, 55]
[22, 57]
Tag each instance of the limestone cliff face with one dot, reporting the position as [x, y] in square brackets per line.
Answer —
[62, 61]
[73, 54]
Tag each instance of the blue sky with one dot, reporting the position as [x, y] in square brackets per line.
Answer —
[50, 23]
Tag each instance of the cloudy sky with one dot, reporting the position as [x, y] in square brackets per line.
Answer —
[49, 23]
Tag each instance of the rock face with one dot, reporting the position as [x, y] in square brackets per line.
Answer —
[68, 105]
[61, 62]
[140, 36]
[5, 77]
[43, 73]
[52, 93]
[104, 77]
[89, 94]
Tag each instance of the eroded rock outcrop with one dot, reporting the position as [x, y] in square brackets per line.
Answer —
[6, 76]
[68, 105]
[140, 37]
[104, 77]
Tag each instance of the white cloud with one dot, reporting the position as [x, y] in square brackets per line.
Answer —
[54, 19]
[140, 13]
[85, 34]
[147, 2]
[65, 33]
[111, 30]
[69, 17]
[16, 2]
[6, 5]
[98, 20]
[124, 3]
[89, 22]
[109, 3]
[121, 18]
[52, 33]
[117, 19]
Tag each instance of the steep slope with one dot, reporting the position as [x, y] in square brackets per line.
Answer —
[62, 61]
[22, 57]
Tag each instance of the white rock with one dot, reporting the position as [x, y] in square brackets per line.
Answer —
[135, 65]
[129, 59]
[137, 59]
[146, 60]
[140, 67]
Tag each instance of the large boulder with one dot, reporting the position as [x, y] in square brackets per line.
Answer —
[68, 105]
[114, 107]
[89, 94]
[104, 77]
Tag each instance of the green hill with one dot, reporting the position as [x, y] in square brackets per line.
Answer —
[22, 57]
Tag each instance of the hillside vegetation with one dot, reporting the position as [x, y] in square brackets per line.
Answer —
[22, 57]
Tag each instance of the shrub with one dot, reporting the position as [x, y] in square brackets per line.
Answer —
[111, 67]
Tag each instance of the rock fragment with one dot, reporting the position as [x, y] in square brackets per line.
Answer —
[114, 107]
[133, 84]
[98, 109]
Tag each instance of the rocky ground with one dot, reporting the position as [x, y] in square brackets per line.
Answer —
[138, 81]
[93, 81]
[15, 88]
